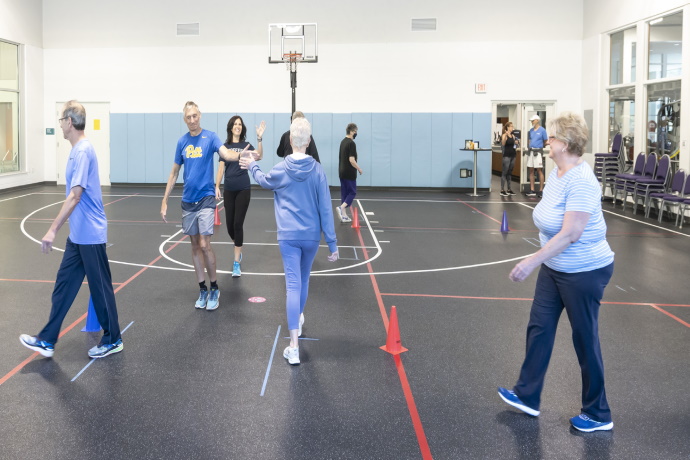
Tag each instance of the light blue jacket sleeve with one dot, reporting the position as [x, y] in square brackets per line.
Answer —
[326, 214]
[271, 181]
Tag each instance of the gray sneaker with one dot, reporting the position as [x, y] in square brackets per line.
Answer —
[101, 351]
[203, 297]
[34, 343]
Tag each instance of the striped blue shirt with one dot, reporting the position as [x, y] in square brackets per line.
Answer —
[577, 190]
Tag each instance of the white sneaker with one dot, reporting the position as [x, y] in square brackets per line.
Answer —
[339, 210]
[292, 355]
[301, 322]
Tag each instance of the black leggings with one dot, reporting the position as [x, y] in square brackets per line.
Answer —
[236, 205]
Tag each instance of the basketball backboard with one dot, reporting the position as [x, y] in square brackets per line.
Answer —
[292, 38]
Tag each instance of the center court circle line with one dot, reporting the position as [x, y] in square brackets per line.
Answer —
[329, 272]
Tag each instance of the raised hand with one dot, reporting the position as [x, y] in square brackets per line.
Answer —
[260, 129]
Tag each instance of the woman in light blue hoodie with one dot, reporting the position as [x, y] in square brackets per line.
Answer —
[303, 212]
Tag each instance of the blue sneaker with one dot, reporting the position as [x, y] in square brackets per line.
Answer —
[586, 424]
[201, 301]
[36, 344]
[236, 272]
[511, 398]
[101, 351]
[213, 297]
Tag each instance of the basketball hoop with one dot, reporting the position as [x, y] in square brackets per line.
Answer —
[291, 60]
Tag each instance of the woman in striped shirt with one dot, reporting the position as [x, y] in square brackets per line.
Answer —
[576, 264]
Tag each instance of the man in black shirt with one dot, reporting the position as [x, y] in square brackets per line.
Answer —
[285, 149]
[347, 171]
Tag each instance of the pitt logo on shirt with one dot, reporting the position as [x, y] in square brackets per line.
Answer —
[193, 152]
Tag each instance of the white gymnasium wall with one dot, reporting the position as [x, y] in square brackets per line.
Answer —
[22, 22]
[369, 60]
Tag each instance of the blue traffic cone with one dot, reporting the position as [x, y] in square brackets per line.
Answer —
[92, 324]
[504, 223]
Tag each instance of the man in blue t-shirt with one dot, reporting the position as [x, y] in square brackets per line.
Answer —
[195, 151]
[535, 154]
[85, 248]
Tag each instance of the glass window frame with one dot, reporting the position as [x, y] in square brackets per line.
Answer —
[16, 92]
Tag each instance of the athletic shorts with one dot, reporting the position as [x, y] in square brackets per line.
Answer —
[198, 222]
[535, 158]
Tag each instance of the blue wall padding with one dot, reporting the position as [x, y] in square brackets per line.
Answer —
[394, 149]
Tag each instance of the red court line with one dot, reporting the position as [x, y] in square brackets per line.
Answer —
[407, 391]
[466, 204]
[40, 281]
[120, 199]
[20, 366]
[669, 314]
[458, 229]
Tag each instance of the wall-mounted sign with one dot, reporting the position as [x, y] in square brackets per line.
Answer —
[480, 87]
[50, 131]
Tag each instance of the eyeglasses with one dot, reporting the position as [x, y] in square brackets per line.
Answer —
[63, 118]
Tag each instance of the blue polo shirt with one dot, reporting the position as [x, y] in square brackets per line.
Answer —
[196, 154]
[537, 138]
[87, 223]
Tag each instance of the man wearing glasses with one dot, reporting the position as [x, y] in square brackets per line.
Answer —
[85, 253]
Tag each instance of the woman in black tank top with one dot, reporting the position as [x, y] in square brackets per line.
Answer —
[508, 142]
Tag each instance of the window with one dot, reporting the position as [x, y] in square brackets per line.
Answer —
[623, 47]
[663, 117]
[622, 117]
[665, 46]
[9, 107]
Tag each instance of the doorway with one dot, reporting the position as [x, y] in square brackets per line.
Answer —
[97, 131]
[519, 112]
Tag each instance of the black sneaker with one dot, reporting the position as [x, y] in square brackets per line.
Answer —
[36, 344]
[511, 193]
[531, 193]
[504, 193]
[538, 194]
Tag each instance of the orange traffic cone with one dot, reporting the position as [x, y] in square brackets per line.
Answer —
[216, 217]
[393, 345]
[355, 218]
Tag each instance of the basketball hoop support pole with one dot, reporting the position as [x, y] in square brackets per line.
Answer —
[293, 85]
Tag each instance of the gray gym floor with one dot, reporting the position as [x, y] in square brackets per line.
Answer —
[214, 385]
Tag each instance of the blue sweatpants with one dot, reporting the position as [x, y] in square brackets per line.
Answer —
[298, 257]
[348, 191]
[81, 260]
[580, 294]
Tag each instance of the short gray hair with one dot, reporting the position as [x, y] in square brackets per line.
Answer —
[300, 133]
[77, 113]
[297, 115]
[570, 128]
[188, 105]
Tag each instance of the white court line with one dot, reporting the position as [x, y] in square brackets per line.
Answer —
[270, 361]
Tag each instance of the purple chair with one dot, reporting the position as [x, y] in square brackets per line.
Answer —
[682, 206]
[659, 183]
[647, 172]
[673, 198]
[621, 180]
[607, 165]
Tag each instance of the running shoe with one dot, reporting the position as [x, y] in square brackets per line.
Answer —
[292, 355]
[236, 272]
[213, 297]
[103, 350]
[586, 424]
[511, 398]
[339, 211]
[203, 298]
[301, 323]
[34, 343]
[511, 193]
[539, 194]
[531, 193]
[504, 193]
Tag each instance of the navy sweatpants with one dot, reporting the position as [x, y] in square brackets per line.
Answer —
[81, 260]
[580, 294]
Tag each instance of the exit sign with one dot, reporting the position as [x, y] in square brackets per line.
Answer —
[480, 87]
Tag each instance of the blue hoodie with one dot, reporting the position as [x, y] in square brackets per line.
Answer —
[302, 199]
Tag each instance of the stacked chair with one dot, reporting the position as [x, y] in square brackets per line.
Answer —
[644, 186]
[680, 190]
[683, 205]
[622, 179]
[607, 165]
[626, 186]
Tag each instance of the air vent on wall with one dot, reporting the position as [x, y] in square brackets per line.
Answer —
[419, 25]
[188, 30]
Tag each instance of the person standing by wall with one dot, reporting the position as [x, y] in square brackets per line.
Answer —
[303, 213]
[347, 171]
[285, 149]
[237, 190]
[85, 252]
[575, 266]
[195, 150]
[509, 143]
[536, 141]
